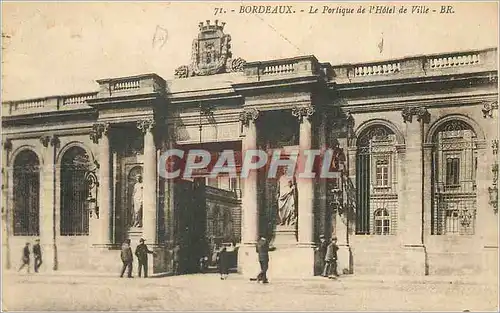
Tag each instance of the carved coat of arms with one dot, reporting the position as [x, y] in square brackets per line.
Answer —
[211, 53]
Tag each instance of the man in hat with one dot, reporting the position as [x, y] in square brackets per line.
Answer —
[263, 252]
[331, 259]
[37, 255]
[26, 258]
[142, 257]
[322, 253]
[127, 258]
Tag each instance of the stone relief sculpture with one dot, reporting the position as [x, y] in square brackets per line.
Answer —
[287, 201]
[137, 201]
[211, 53]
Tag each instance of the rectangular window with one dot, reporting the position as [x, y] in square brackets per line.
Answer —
[452, 171]
[382, 173]
[382, 227]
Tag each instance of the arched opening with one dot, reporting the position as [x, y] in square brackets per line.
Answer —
[382, 222]
[454, 166]
[74, 193]
[376, 183]
[26, 210]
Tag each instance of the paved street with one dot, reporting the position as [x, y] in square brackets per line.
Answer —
[208, 292]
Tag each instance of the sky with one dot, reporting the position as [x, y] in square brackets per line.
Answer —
[60, 48]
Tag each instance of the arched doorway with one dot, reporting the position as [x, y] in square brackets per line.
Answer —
[454, 166]
[26, 210]
[74, 192]
[376, 181]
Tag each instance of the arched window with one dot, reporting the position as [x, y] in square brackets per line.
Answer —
[26, 210]
[454, 166]
[74, 193]
[375, 178]
[382, 222]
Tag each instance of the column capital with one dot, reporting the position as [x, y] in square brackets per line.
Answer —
[488, 108]
[54, 140]
[45, 140]
[98, 129]
[300, 112]
[420, 113]
[249, 115]
[7, 144]
[146, 125]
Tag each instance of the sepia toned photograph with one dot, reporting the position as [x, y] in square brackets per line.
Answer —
[250, 156]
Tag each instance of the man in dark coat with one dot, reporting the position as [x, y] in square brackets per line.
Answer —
[322, 247]
[127, 258]
[223, 263]
[37, 255]
[176, 257]
[262, 249]
[142, 257]
[331, 259]
[25, 258]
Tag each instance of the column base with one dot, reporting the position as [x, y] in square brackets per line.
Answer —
[248, 261]
[344, 262]
[292, 262]
[415, 260]
[285, 236]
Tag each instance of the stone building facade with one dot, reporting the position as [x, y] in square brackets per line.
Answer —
[418, 144]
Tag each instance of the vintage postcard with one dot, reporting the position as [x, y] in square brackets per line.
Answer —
[249, 156]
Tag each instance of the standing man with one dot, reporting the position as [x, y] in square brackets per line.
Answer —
[26, 258]
[37, 255]
[142, 257]
[263, 252]
[322, 253]
[176, 257]
[127, 258]
[331, 260]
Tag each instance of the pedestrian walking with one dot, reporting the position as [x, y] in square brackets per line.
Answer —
[262, 249]
[25, 260]
[37, 255]
[127, 258]
[176, 257]
[223, 263]
[141, 252]
[330, 270]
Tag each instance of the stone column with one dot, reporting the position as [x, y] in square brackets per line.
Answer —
[414, 117]
[100, 135]
[150, 177]
[6, 212]
[305, 186]
[250, 218]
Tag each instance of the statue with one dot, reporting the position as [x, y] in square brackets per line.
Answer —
[287, 206]
[137, 202]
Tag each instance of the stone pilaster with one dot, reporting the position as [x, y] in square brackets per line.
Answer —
[250, 218]
[100, 135]
[6, 212]
[150, 176]
[47, 205]
[414, 118]
[305, 186]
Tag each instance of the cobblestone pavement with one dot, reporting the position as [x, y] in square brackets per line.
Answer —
[207, 292]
